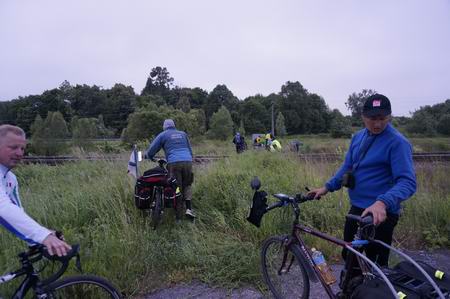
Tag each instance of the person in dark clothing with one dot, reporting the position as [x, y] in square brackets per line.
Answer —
[239, 142]
[379, 173]
[178, 151]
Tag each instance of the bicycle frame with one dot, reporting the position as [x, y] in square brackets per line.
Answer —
[31, 281]
[308, 263]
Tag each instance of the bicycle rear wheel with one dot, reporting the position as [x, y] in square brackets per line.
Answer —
[157, 209]
[82, 286]
[282, 270]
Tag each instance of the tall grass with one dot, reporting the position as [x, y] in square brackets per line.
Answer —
[92, 203]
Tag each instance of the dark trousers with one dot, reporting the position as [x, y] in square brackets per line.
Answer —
[383, 232]
[182, 171]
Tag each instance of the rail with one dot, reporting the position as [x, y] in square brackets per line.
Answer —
[316, 157]
[54, 160]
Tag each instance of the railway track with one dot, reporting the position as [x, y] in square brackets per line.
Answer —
[317, 157]
[417, 157]
[54, 160]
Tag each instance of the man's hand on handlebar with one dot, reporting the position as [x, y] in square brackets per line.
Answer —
[55, 245]
[318, 193]
[378, 210]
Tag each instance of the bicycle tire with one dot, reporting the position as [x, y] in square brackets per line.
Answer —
[157, 209]
[82, 286]
[288, 281]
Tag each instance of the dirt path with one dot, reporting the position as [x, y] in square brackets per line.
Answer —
[439, 259]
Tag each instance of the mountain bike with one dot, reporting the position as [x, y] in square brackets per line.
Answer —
[288, 265]
[78, 286]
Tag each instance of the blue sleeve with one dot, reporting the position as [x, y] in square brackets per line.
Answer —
[335, 183]
[154, 147]
[403, 174]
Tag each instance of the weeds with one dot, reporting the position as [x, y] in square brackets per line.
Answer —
[92, 203]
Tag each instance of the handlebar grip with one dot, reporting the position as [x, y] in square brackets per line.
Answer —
[366, 220]
[302, 198]
[74, 251]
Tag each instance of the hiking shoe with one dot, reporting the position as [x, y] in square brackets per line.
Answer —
[190, 213]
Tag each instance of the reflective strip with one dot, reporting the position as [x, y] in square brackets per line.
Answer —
[11, 228]
[439, 274]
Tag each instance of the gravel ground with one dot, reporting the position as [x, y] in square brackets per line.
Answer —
[439, 259]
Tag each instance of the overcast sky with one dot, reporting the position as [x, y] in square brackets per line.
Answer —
[333, 48]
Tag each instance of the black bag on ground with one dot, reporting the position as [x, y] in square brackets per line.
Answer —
[407, 279]
[258, 208]
[144, 188]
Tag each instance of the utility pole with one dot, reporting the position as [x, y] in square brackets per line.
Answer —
[273, 123]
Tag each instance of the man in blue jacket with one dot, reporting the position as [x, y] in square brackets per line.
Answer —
[178, 151]
[379, 173]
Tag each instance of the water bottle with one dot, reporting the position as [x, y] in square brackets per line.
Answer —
[321, 264]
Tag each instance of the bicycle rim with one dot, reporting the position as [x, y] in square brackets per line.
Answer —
[157, 209]
[87, 287]
[283, 271]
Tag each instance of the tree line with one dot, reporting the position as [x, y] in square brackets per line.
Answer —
[84, 111]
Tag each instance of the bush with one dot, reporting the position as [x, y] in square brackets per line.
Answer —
[49, 136]
[221, 125]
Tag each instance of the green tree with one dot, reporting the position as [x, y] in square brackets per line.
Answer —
[83, 131]
[355, 103]
[340, 125]
[280, 128]
[183, 104]
[198, 115]
[119, 103]
[221, 125]
[37, 124]
[241, 128]
[143, 125]
[87, 101]
[220, 96]
[49, 138]
[159, 82]
[304, 112]
[423, 122]
[255, 114]
[443, 126]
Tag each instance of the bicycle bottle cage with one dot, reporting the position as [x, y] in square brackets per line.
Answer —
[258, 208]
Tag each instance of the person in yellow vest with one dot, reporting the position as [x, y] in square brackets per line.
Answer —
[275, 145]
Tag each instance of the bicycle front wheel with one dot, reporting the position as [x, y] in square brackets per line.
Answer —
[282, 270]
[83, 286]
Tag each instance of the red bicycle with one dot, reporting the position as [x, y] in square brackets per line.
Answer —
[288, 265]
[155, 190]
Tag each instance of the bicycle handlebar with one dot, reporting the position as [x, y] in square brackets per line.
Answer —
[37, 252]
[161, 162]
[284, 200]
[363, 221]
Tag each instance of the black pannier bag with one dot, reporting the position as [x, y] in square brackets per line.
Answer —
[408, 280]
[144, 190]
[258, 208]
